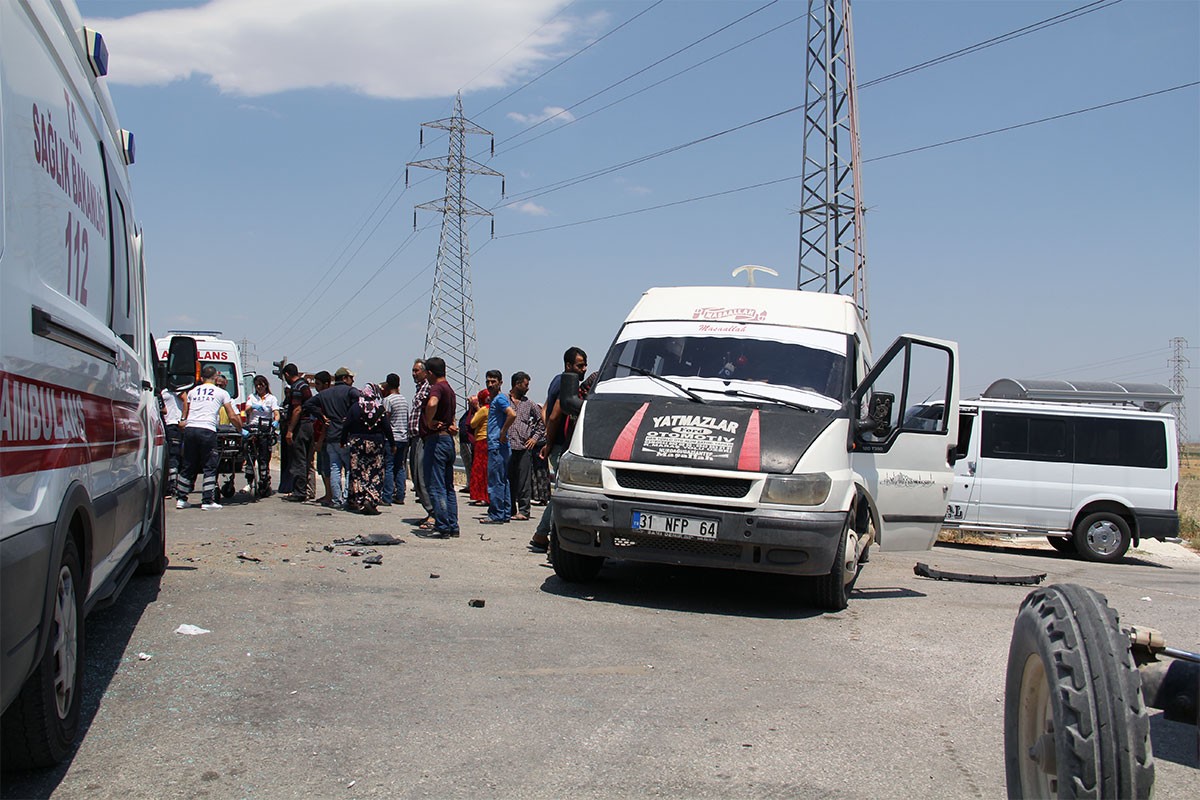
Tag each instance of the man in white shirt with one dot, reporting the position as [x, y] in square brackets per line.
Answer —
[201, 408]
[396, 453]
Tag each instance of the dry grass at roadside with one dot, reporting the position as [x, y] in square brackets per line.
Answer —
[1189, 498]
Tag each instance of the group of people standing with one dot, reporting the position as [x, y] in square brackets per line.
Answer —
[365, 442]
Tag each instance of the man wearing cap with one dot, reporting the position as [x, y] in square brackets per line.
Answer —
[334, 405]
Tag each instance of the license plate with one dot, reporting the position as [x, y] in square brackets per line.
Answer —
[671, 525]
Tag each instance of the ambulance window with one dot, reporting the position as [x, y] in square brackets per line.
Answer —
[123, 322]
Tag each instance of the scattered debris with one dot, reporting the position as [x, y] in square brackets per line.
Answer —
[926, 571]
[434, 575]
[247, 557]
[350, 784]
[1147, 599]
[144, 656]
[191, 630]
[374, 539]
[475, 603]
[328, 548]
[249, 523]
[375, 559]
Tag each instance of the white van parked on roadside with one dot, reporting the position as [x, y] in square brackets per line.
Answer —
[1093, 467]
[81, 437]
[749, 428]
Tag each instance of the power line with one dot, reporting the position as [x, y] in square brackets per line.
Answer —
[578, 52]
[530, 35]
[646, 68]
[1049, 22]
[798, 177]
[657, 83]
[529, 194]
[1033, 122]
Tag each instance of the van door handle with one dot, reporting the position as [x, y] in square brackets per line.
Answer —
[971, 467]
[149, 387]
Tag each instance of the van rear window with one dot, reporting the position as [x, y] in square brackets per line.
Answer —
[1082, 440]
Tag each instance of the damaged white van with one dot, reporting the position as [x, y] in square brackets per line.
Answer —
[745, 428]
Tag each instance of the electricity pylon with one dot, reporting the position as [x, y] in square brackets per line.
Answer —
[832, 255]
[1179, 363]
[451, 330]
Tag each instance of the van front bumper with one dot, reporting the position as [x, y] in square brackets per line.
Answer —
[1155, 523]
[788, 542]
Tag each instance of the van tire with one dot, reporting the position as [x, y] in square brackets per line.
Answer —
[39, 728]
[1102, 536]
[573, 567]
[832, 592]
[1063, 544]
[1075, 724]
[153, 560]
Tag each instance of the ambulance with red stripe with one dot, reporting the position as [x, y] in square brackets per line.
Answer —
[749, 428]
[81, 436]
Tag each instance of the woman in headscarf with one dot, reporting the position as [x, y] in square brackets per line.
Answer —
[365, 432]
[478, 481]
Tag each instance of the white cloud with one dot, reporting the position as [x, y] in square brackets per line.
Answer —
[259, 110]
[532, 209]
[399, 49]
[553, 113]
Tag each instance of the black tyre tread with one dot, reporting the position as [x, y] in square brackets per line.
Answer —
[26, 729]
[153, 559]
[831, 592]
[1080, 538]
[573, 567]
[1104, 750]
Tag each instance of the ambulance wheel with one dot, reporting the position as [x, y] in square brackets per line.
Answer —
[1075, 725]
[39, 728]
[1102, 536]
[153, 560]
[1063, 544]
[573, 567]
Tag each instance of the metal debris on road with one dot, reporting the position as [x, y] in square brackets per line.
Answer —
[434, 575]
[144, 656]
[375, 559]
[926, 571]
[373, 539]
[248, 557]
[476, 603]
[191, 630]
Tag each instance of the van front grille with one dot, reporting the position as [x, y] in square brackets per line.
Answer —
[682, 484]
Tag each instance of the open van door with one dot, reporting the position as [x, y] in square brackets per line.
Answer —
[181, 364]
[903, 438]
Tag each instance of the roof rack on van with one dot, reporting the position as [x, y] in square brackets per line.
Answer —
[1150, 396]
[194, 333]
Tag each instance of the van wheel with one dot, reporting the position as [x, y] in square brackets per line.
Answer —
[1063, 544]
[832, 592]
[1074, 722]
[1102, 536]
[39, 728]
[153, 560]
[573, 567]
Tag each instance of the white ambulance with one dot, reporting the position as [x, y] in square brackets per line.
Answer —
[223, 354]
[81, 436]
[746, 428]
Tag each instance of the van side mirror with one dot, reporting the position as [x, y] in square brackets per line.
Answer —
[181, 363]
[568, 394]
[879, 415]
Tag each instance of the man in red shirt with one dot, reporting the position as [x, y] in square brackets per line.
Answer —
[437, 430]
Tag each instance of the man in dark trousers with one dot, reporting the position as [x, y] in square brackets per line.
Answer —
[299, 436]
[559, 425]
[335, 404]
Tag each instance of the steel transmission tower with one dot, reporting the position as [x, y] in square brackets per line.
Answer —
[832, 258]
[1179, 362]
[451, 330]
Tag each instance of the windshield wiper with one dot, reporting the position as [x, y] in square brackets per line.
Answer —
[647, 373]
[753, 396]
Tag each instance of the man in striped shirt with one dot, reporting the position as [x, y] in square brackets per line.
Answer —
[416, 455]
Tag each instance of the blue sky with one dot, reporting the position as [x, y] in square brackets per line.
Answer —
[270, 137]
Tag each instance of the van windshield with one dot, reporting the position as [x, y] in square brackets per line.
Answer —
[808, 360]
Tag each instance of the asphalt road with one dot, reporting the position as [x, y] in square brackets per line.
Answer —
[324, 678]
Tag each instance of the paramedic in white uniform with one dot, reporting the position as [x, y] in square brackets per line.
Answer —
[201, 407]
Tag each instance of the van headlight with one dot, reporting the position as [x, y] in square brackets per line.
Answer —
[797, 490]
[576, 470]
